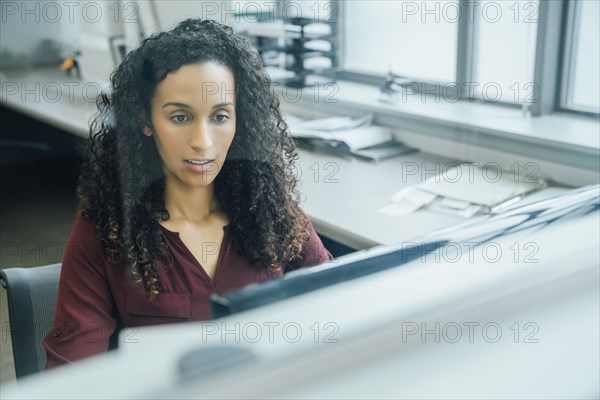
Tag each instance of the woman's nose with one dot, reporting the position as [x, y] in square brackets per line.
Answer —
[201, 137]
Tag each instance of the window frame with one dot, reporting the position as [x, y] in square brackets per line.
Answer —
[572, 13]
[555, 18]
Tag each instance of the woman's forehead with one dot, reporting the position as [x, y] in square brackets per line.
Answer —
[206, 82]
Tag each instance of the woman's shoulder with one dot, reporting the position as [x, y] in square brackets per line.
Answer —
[84, 223]
[313, 250]
[84, 230]
[84, 250]
[313, 243]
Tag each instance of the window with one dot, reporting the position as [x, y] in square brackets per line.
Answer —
[503, 49]
[581, 78]
[420, 40]
[504, 52]
[414, 39]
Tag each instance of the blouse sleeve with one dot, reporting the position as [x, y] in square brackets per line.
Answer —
[83, 321]
[313, 251]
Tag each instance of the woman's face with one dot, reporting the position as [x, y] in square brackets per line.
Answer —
[193, 116]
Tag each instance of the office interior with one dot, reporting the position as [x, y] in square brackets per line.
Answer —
[449, 159]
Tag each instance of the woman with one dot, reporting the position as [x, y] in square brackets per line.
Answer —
[186, 190]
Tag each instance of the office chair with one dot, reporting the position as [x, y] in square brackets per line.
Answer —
[31, 296]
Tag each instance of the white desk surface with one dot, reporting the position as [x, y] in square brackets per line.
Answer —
[51, 97]
[341, 196]
[543, 343]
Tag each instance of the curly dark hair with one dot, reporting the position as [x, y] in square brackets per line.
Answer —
[121, 183]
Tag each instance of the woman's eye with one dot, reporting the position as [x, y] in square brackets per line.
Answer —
[221, 118]
[179, 118]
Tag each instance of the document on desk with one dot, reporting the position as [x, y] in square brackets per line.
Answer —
[351, 139]
[330, 123]
[464, 191]
[347, 136]
[472, 184]
[353, 133]
[407, 201]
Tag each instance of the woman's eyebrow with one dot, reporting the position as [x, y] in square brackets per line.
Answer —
[180, 105]
[222, 105]
[187, 107]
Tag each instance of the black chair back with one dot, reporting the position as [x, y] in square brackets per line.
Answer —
[31, 296]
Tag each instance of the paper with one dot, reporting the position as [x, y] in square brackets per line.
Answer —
[413, 194]
[317, 28]
[364, 136]
[331, 123]
[466, 212]
[384, 151]
[275, 29]
[407, 201]
[314, 63]
[400, 208]
[463, 191]
[452, 203]
[351, 134]
[471, 184]
[318, 45]
[347, 136]
[279, 29]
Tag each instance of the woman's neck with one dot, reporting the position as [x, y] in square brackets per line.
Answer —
[192, 205]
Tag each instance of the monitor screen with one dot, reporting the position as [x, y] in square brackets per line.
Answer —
[305, 280]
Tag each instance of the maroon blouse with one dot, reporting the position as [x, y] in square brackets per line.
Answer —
[95, 297]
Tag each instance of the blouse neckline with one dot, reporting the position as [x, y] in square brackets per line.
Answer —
[225, 227]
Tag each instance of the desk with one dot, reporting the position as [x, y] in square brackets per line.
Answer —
[543, 341]
[51, 97]
[340, 196]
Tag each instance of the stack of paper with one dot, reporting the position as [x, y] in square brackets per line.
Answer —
[463, 190]
[345, 135]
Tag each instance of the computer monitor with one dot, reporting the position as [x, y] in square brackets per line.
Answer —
[535, 215]
[305, 280]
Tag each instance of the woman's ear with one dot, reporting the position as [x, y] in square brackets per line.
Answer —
[147, 131]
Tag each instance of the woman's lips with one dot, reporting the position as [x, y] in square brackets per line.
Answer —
[201, 165]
